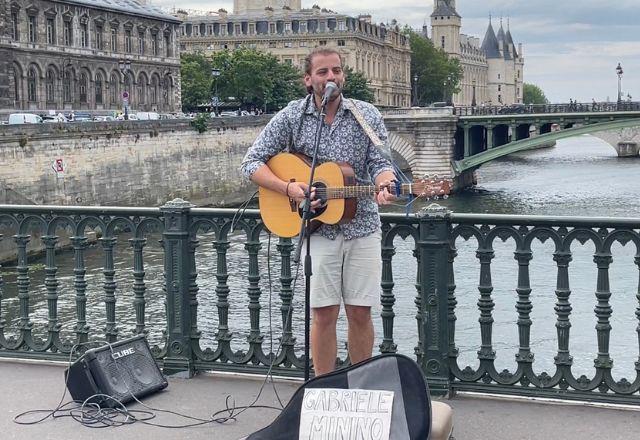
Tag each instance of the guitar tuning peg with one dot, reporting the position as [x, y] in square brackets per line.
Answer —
[445, 196]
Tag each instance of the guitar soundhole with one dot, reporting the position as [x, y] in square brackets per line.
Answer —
[321, 194]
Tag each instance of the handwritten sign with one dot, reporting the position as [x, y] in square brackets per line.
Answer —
[342, 414]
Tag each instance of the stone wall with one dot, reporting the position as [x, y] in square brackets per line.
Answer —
[132, 163]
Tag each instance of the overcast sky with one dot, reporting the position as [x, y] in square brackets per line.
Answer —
[571, 47]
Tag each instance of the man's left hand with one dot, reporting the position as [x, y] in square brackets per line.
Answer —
[384, 196]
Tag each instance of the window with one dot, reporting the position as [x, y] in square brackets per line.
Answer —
[165, 91]
[323, 42]
[66, 86]
[342, 26]
[154, 43]
[114, 39]
[237, 29]
[127, 41]
[303, 44]
[51, 31]
[252, 29]
[498, 76]
[303, 27]
[32, 83]
[84, 83]
[98, 87]
[84, 35]
[98, 38]
[50, 85]
[68, 33]
[499, 88]
[32, 29]
[288, 44]
[442, 41]
[167, 44]
[16, 86]
[154, 90]
[272, 28]
[272, 44]
[288, 61]
[113, 89]
[14, 26]
[287, 27]
[141, 43]
[341, 43]
[323, 26]
[142, 90]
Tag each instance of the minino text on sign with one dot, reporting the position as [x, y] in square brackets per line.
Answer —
[343, 414]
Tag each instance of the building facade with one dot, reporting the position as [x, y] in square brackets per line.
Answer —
[284, 29]
[492, 71]
[58, 55]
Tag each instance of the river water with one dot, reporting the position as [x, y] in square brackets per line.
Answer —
[579, 176]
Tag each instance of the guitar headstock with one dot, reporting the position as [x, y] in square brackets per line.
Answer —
[432, 187]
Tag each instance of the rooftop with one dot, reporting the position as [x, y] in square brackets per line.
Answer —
[126, 6]
[29, 386]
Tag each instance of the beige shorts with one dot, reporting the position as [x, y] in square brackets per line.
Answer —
[346, 270]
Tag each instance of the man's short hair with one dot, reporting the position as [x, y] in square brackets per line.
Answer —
[308, 60]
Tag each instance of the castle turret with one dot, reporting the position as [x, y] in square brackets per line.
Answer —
[445, 27]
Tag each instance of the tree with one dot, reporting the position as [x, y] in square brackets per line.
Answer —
[438, 75]
[357, 86]
[195, 71]
[257, 79]
[533, 94]
[247, 77]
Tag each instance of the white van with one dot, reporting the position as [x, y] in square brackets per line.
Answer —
[24, 118]
[147, 116]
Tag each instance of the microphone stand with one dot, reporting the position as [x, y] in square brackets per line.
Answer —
[305, 230]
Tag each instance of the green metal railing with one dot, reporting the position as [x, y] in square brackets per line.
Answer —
[181, 347]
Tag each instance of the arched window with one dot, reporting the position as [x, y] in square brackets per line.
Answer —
[51, 86]
[84, 83]
[98, 87]
[154, 90]
[142, 89]
[127, 85]
[113, 89]
[66, 86]
[32, 85]
[165, 90]
[16, 87]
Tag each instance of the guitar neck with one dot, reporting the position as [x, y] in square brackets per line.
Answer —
[347, 192]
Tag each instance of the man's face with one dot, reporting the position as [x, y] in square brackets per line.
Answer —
[325, 68]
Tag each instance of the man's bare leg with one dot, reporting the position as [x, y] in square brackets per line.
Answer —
[323, 339]
[360, 333]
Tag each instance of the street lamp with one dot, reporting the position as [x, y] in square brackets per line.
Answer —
[215, 73]
[619, 72]
[447, 81]
[415, 90]
[473, 96]
[125, 68]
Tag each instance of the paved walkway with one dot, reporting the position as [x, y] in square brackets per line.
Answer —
[25, 387]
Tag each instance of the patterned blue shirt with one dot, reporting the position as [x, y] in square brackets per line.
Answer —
[344, 140]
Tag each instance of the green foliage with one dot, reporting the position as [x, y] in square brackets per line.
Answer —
[195, 71]
[438, 75]
[357, 86]
[256, 78]
[533, 94]
[248, 77]
[200, 122]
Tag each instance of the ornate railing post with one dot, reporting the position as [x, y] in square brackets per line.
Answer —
[434, 249]
[177, 272]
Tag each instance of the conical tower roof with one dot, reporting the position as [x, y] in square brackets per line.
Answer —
[444, 8]
[490, 44]
[509, 40]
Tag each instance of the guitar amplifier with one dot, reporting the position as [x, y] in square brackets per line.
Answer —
[123, 370]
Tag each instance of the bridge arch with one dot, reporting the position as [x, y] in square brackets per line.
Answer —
[401, 149]
[487, 156]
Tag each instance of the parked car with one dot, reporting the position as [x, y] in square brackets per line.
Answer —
[24, 118]
[228, 113]
[81, 117]
[147, 116]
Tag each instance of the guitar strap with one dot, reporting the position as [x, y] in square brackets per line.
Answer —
[371, 134]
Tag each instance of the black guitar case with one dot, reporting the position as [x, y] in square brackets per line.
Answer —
[411, 415]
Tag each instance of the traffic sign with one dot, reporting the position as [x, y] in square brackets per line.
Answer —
[125, 95]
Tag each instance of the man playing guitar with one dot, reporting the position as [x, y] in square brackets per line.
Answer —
[346, 258]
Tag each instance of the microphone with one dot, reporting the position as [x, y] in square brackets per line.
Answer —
[329, 88]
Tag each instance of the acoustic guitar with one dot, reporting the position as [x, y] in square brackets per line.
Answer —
[336, 187]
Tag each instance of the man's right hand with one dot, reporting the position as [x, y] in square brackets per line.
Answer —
[298, 192]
